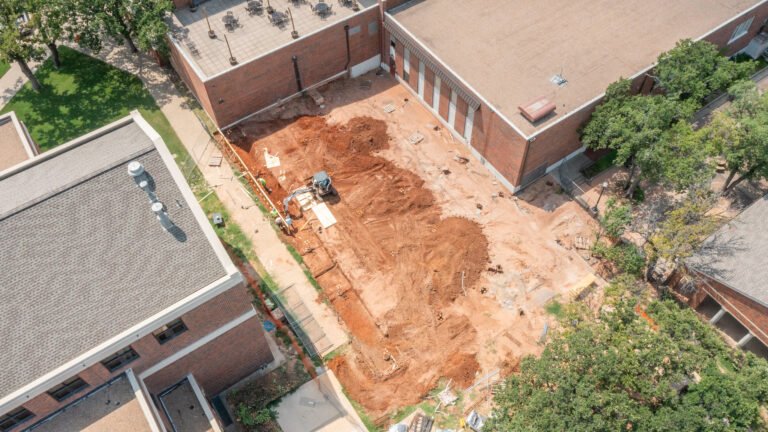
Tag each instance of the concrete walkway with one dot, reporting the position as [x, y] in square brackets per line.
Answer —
[12, 81]
[268, 247]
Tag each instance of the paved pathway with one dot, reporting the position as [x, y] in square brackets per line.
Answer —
[11, 82]
[268, 247]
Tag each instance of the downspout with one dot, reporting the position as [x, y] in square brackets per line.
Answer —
[349, 53]
[297, 73]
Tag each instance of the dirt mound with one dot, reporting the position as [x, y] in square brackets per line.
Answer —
[400, 263]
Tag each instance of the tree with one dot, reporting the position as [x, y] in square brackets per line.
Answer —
[616, 218]
[138, 23]
[630, 124]
[683, 230]
[692, 71]
[50, 20]
[740, 135]
[680, 159]
[16, 43]
[663, 371]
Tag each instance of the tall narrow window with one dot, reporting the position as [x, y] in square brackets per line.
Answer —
[468, 124]
[436, 94]
[14, 418]
[170, 331]
[452, 110]
[67, 388]
[421, 80]
[120, 359]
[741, 30]
[406, 64]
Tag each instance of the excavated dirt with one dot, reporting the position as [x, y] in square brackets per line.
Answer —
[393, 265]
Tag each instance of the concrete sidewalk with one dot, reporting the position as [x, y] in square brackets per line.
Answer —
[12, 81]
[268, 247]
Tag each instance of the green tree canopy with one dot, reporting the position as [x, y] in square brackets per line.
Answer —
[692, 71]
[50, 20]
[16, 41]
[138, 23]
[623, 372]
[631, 124]
[740, 135]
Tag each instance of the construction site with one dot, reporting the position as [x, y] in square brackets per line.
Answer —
[435, 270]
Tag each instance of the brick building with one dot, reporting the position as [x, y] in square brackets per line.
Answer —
[474, 64]
[115, 309]
[730, 287]
[270, 65]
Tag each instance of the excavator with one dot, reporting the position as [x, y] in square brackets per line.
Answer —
[320, 186]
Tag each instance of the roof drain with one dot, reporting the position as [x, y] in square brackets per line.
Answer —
[297, 73]
[349, 53]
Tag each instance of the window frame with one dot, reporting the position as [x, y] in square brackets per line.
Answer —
[121, 355]
[741, 30]
[70, 387]
[162, 335]
[13, 416]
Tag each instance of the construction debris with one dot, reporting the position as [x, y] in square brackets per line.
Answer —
[389, 108]
[461, 159]
[271, 161]
[415, 138]
[215, 160]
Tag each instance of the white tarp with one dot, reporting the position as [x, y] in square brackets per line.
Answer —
[324, 215]
[271, 161]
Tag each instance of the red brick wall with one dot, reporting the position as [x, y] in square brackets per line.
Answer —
[220, 363]
[429, 85]
[751, 314]
[180, 3]
[461, 115]
[190, 78]
[445, 100]
[390, 4]
[413, 75]
[264, 81]
[200, 321]
[498, 143]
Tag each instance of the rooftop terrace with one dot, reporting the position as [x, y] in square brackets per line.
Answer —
[15, 146]
[509, 50]
[253, 36]
[112, 408]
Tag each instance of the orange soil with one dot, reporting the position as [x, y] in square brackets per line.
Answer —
[391, 244]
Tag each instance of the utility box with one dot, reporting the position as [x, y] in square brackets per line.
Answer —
[217, 219]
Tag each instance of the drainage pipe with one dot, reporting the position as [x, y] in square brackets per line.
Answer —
[297, 73]
[349, 53]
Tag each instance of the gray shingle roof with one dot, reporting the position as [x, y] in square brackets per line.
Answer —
[83, 256]
[736, 254]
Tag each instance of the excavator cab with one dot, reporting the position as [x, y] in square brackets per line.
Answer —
[321, 183]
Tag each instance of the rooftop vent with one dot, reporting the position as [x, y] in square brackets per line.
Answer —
[537, 109]
[135, 169]
[159, 209]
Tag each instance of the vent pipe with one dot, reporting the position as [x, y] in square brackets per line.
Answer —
[159, 209]
[139, 174]
[136, 170]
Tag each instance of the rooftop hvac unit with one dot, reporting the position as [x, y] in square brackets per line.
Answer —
[537, 109]
[757, 46]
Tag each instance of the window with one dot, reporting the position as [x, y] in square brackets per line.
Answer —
[741, 30]
[14, 418]
[170, 331]
[406, 64]
[67, 388]
[354, 30]
[120, 359]
[373, 27]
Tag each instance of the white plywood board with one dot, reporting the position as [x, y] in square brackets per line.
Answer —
[324, 215]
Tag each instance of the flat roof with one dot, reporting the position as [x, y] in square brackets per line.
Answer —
[509, 50]
[255, 35]
[15, 146]
[84, 257]
[110, 408]
[735, 254]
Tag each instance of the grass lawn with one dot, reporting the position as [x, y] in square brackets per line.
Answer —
[4, 68]
[83, 95]
[86, 94]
